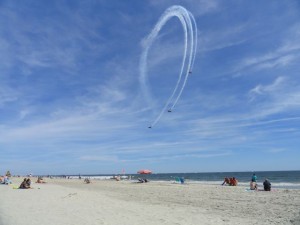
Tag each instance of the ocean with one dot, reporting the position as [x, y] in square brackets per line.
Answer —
[278, 179]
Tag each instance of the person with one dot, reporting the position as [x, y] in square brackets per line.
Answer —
[87, 180]
[253, 185]
[181, 180]
[233, 181]
[267, 185]
[6, 180]
[40, 180]
[8, 174]
[25, 184]
[28, 182]
[254, 178]
[140, 180]
[226, 181]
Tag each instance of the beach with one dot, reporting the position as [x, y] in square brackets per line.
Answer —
[109, 202]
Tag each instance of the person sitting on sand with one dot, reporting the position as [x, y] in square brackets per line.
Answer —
[233, 181]
[141, 180]
[87, 181]
[267, 185]
[24, 184]
[226, 181]
[253, 185]
[28, 182]
[117, 178]
[40, 180]
[7, 180]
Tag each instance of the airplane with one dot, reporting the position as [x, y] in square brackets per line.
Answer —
[169, 110]
[150, 127]
[190, 72]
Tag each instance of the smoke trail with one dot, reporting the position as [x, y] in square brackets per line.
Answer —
[193, 47]
[180, 74]
[172, 11]
[189, 49]
[195, 39]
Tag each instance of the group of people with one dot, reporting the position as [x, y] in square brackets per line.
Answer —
[253, 183]
[25, 184]
[142, 180]
[179, 180]
[5, 180]
[231, 181]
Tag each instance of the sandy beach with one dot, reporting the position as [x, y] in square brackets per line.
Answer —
[72, 202]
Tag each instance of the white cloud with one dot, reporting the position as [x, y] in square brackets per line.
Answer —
[226, 37]
[267, 89]
[282, 95]
[282, 56]
[276, 150]
[100, 158]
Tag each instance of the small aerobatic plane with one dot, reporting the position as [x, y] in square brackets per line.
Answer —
[169, 110]
[190, 72]
[150, 127]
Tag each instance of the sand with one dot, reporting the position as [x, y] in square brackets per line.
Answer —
[72, 202]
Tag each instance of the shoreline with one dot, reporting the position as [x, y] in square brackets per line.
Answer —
[279, 179]
[64, 202]
[277, 185]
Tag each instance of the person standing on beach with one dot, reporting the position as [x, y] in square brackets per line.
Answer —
[254, 178]
[253, 183]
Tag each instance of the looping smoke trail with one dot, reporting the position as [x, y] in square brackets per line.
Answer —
[190, 45]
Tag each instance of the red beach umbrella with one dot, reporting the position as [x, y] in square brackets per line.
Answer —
[144, 171]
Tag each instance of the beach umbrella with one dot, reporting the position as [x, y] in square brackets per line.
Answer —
[144, 171]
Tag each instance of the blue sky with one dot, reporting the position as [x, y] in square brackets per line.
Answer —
[71, 101]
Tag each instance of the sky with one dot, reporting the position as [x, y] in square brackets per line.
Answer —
[71, 100]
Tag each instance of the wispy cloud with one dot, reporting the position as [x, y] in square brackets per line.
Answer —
[219, 39]
[276, 150]
[267, 89]
[284, 55]
[280, 96]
